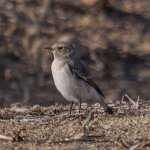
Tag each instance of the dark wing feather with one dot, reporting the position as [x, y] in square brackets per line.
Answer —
[83, 74]
[79, 71]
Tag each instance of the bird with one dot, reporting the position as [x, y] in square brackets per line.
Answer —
[72, 77]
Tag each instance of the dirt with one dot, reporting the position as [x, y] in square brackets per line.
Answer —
[54, 128]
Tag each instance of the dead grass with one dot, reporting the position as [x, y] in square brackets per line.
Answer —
[53, 128]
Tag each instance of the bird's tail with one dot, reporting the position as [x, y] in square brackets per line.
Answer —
[106, 107]
[102, 97]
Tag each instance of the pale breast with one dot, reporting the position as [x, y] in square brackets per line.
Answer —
[65, 82]
[68, 85]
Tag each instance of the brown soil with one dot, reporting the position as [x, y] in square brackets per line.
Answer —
[54, 128]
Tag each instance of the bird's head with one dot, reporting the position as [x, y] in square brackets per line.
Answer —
[62, 49]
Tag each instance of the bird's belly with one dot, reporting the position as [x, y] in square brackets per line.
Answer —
[69, 86]
[65, 82]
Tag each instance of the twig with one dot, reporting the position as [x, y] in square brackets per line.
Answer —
[70, 115]
[134, 147]
[4, 137]
[123, 143]
[122, 99]
[79, 140]
[88, 120]
[135, 104]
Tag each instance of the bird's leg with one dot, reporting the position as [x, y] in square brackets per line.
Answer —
[79, 105]
[71, 107]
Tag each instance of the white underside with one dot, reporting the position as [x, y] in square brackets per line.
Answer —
[71, 88]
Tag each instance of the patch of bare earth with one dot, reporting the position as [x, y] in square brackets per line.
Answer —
[54, 128]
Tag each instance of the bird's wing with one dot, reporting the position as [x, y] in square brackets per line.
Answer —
[81, 72]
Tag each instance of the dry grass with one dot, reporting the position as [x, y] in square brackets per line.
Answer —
[53, 128]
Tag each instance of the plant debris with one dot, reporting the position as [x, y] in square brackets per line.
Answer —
[42, 128]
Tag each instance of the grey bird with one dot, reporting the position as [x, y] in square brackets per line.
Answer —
[72, 78]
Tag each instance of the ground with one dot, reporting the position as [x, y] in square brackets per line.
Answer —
[54, 128]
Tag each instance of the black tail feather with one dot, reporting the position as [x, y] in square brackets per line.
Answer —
[109, 110]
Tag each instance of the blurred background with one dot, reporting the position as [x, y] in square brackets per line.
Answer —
[112, 37]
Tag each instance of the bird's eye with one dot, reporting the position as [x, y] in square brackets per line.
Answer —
[60, 48]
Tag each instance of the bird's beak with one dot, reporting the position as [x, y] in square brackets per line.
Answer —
[49, 48]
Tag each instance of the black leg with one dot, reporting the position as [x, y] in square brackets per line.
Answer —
[71, 107]
[79, 106]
